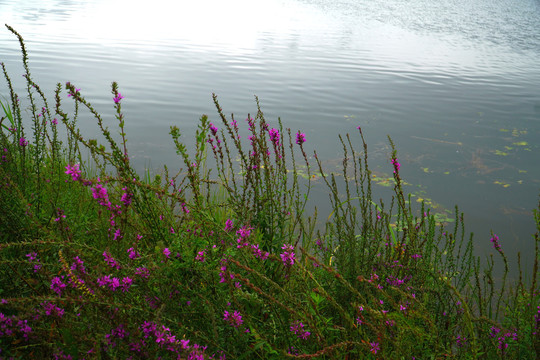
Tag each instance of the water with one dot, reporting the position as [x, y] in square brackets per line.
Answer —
[453, 82]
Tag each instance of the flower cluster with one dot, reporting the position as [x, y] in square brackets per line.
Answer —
[274, 136]
[74, 171]
[52, 310]
[133, 254]
[288, 256]
[77, 265]
[117, 98]
[495, 241]
[502, 338]
[32, 258]
[234, 319]
[243, 234]
[300, 138]
[100, 193]
[396, 164]
[10, 326]
[111, 261]
[126, 198]
[57, 285]
[228, 225]
[114, 283]
[298, 329]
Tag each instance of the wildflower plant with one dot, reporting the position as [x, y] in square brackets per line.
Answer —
[220, 259]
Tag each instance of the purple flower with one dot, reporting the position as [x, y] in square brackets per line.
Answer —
[495, 241]
[234, 319]
[104, 280]
[23, 142]
[258, 253]
[213, 129]
[31, 256]
[133, 254]
[298, 329]
[126, 283]
[52, 310]
[200, 256]
[396, 164]
[228, 225]
[74, 171]
[57, 285]
[288, 256]
[274, 136]
[300, 138]
[73, 93]
[374, 347]
[100, 193]
[114, 283]
[24, 328]
[78, 265]
[111, 261]
[244, 232]
[166, 252]
[142, 272]
[126, 197]
[117, 98]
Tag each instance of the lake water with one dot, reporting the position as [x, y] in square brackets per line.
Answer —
[455, 83]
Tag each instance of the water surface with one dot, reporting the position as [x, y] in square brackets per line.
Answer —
[453, 82]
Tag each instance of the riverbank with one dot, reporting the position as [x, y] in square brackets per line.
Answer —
[219, 259]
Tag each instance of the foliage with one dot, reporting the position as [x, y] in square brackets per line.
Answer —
[99, 262]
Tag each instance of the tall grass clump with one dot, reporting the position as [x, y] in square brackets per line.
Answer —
[222, 260]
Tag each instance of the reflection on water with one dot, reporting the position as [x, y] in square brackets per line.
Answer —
[453, 82]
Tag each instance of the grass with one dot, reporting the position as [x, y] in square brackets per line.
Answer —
[221, 260]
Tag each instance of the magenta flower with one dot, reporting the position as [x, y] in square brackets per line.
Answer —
[142, 272]
[57, 285]
[103, 281]
[126, 283]
[374, 347]
[75, 93]
[23, 142]
[298, 329]
[244, 232]
[228, 225]
[300, 138]
[100, 193]
[117, 98]
[213, 129]
[288, 256]
[234, 319]
[132, 253]
[274, 136]
[200, 256]
[114, 283]
[126, 197]
[258, 253]
[74, 171]
[396, 164]
[111, 261]
[495, 241]
[166, 252]
[78, 265]
[52, 310]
